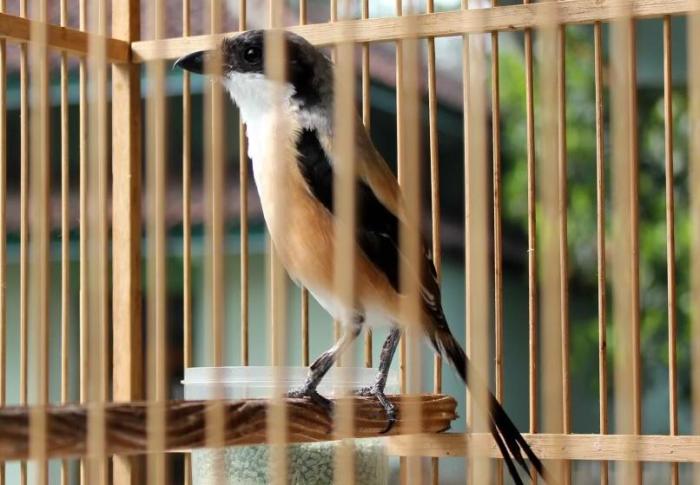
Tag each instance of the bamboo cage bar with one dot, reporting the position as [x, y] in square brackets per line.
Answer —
[670, 241]
[694, 188]
[98, 374]
[409, 115]
[434, 204]
[304, 303]
[157, 363]
[497, 225]
[65, 231]
[440, 24]
[476, 247]
[39, 181]
[366, 121]
[214, 229]
[24, 228]
[187, 229]
[64, 39]
[277, 435]
[532, 293]
[562, 236]
[600, 242]
[344, 203]
[625, 248]
[128, 361]
[3, 227]
[244, 184]
[550, 195]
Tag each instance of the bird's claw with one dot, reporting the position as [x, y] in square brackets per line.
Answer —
[389, 407]
[314, 397]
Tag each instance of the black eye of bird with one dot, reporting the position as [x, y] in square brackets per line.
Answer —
[252, 54]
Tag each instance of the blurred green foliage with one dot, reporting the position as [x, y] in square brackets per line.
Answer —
[581, 159]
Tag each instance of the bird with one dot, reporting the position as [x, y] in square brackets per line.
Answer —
[289, 127]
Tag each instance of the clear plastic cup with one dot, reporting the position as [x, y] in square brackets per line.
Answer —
[308, 463]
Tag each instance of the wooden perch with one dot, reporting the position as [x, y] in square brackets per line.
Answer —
[126, 424]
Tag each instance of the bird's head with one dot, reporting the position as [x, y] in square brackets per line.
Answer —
[240, 64]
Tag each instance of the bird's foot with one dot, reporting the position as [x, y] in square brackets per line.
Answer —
[314, 397]
[389, 407]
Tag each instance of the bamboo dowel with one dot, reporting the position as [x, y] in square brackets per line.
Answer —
[366, 121]
[24, 228]
[440, 24]
[600, 243]
[410, 244]
[186, 208]
[434, 204]
[624, 173]
[497, 225]
[157, 353]
[3, 227]
[694, 191]
[65, 232]
[583, 447]
[277, 420]
[562, 207]
[243, 176]
[344, 203]
[97, 286]
[244, 423]
[532, 292]
[187, 223]
[39, 172]
[549, 166]
[670, 240]
[83, 250]
[304, 291]
[214, 228]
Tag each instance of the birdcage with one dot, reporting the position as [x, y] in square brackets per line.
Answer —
[547, 151]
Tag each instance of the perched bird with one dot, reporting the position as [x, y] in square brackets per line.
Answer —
[289, 126]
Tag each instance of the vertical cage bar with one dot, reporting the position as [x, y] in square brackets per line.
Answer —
[694, 190]
[275, 69]
[532, 293]
[24, 226]
[625, 261]
[562, 207]
[670, 240]
[214, 248]
[243, 175]
[476, 247]
[497, 225]
[157, 353]
[366, 121]
[97, 285]
[466, 108]
[39, 166]
[127, 350]
[409, 127]
[3, 227]
[305, 292]
[434, 204]
[83, 182]
[550, 196]
[186, 212]
[600, 242]
[65, 232]
[187, 224]
[344, 202]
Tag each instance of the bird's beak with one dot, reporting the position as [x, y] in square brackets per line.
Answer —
[199, 62]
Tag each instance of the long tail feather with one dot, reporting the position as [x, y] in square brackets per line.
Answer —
[508, 439]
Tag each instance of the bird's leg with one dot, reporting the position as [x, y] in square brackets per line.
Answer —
[377, 389]
[324, 362]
